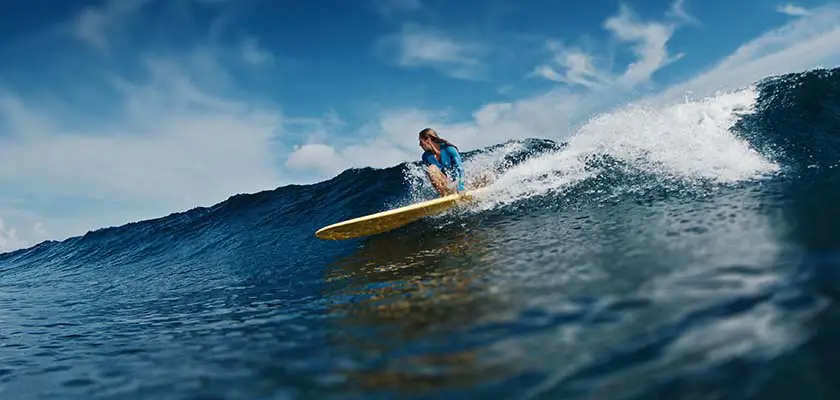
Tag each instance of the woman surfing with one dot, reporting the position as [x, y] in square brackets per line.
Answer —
[446, 172]
[443, 163]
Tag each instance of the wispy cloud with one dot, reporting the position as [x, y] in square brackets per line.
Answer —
[648, 42]
[252, 53]
[802, 44]
[320, 158]
[170, 129]
[9, 239]
[94, 25]
[579, 68]
[170, 136]
[389, 7]
[677, 11]
[423, 47]
[792, 10]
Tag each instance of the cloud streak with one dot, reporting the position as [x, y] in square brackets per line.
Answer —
[9, 239]
[415, 47]
[253, 54]
[95, 24]
[792, 10]
[677, 11]
[173, 144]
[802, 44]
[648, 41]
[579, 68]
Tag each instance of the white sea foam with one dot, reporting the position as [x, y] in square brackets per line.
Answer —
[688, 141]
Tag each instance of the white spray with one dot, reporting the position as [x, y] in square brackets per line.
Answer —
[686, 141]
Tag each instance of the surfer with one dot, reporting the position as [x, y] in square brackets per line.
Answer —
[443, 163]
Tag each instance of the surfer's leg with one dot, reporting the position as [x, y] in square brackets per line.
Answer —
[439, 181]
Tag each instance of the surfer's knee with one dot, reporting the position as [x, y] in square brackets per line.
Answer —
[435, 174]
[438, 180]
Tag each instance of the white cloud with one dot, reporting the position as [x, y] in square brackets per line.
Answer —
[649, 44]
[649, 39]
[172, 135]
[21, 120]
[802, 44]
[579, 66]
[173, 144]
[792, 10]
[677, 11]
[95, 23]
[252, 53]
[9, 239]
[39, 231]
[416, 47]
[321, 158]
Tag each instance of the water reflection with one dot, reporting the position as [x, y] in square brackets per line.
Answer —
[400, 298]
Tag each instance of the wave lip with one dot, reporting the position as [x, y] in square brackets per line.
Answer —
[691, 142]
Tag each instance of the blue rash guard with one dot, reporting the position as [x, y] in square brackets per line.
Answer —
[449, 164]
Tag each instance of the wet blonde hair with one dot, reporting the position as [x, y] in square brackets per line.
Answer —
[431, 133]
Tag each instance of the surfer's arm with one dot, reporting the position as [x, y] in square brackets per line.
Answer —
[459, 168]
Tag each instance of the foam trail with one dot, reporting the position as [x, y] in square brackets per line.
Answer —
[687, 141]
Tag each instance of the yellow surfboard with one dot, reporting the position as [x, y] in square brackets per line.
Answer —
[391, 219]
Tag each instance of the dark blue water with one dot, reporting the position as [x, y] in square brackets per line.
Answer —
[690, 251]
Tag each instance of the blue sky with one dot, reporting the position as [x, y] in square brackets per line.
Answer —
[118, 110]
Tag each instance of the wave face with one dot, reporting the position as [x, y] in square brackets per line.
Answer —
[681, 252]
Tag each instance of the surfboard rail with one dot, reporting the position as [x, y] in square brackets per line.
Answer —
[387, 220]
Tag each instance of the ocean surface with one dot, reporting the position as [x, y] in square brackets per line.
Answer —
[680, 252]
